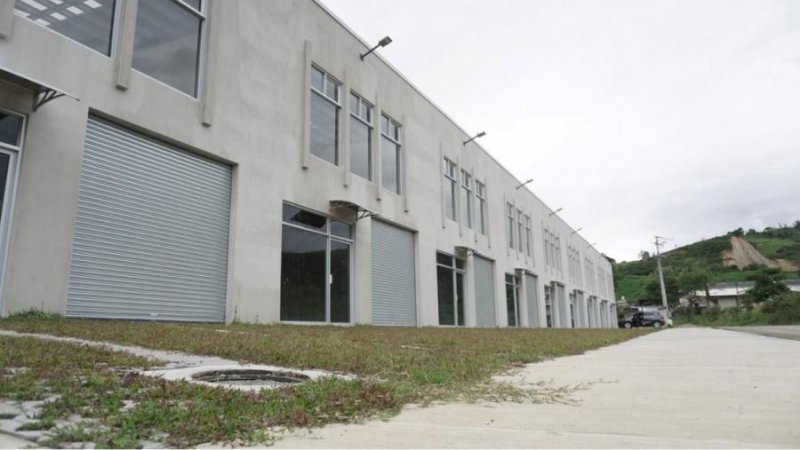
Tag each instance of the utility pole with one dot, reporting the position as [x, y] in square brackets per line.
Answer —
[659, 243]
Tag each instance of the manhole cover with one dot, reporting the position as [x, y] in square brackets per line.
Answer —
[251, 377]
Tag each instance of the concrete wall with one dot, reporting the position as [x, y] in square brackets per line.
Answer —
[254, 96]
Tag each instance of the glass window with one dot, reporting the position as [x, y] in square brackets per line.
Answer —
[520, 231]
[303, 217]
[360, 137]
[10, 129]
[89, 22]
[528, 241]
[466, 198]
[548, 306]
[449, 189]
[480, 194]
[324, 129]
[390, 155]
[167, 43]
[303, 276]
[315, 268]
[318, 80]
[512, 300]
[450, 281]
[510, 230]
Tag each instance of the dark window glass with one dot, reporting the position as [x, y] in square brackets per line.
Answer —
[447, 313]
[303, 275]
[167, 43]
[10, 128]
[341, 229]
[340, 282]
[89, 22]
[460, 264]
[4, 162]
[459, 297]
[303, 217]
[449, 198]
[317, 79]
[390, 156]
[324, 129]
[444, 259]
[360, 149]
[511, 300]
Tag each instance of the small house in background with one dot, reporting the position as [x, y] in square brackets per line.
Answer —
[729, 294]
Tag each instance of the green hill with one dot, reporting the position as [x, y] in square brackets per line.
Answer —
[716, 257]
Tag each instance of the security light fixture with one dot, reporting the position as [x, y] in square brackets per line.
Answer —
[554, 212]
[481, 134]
[382, 43]
[579, 229]
[523, 184]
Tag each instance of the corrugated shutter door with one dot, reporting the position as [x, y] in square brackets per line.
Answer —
[484, 293]
[151, 233]
[394, 299]
[532, 289]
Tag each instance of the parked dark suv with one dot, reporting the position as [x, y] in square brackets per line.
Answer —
[643, 319]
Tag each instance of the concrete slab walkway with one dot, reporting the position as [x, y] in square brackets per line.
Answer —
[678, 388]
[779, 331]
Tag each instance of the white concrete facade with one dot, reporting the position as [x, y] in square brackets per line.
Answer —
[251, 112]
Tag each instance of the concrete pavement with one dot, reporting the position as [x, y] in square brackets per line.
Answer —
[685, 387]
[779, 331]
[8, 441]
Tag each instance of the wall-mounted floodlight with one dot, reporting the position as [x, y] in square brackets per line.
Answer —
[382, 43]
[523, 184]
[554, 212]
[592, 244]
[481, 134]
[579, 229]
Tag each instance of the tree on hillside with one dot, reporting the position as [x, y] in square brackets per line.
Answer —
[653, 290]
[768, 285]
[644, 254]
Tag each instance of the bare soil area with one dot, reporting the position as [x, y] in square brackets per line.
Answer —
[743, 254]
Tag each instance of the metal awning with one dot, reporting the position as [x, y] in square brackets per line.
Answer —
[360, 211]
[42, 93]
[464, 250]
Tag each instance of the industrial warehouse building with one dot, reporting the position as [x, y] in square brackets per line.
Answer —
[198, 160]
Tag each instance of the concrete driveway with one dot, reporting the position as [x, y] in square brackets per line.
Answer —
[686, 387]
[781, 331]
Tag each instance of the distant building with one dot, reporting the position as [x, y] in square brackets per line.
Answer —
[730, 294]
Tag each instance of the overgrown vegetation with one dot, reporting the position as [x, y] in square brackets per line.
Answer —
[396, 366]
[638, 283]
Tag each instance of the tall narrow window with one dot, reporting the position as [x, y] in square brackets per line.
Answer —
[466, 198]
[520, 231]
[315, 267]
[360, 137]
[548, 305]
[512, 300]
[390, 154]
[510, 228]
[89, 22]
[449, 189]
[528, 241]
[557, 252]
[450, 278]
[324, 136]
[480, 194]
[167, 40]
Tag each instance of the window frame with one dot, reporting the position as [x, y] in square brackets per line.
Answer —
[201, 49]
[455, 271]
[528, 236]
[337, 103]
[450, 174]
[357, 116]
[9, 201]
[330, 237]
[467, 193]
[480, 195]
[395, 126]
[510, 225]
[115, 22]
[515, 287]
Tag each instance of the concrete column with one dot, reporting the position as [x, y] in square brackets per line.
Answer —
[344, 136]
[125, 38]
[523, 300]
[362, 295]
[305, 109]
[212, 36]
[470, 317]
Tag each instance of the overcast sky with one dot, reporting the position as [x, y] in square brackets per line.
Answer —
[676, 118]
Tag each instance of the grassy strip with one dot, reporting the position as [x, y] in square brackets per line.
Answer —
[397, 365]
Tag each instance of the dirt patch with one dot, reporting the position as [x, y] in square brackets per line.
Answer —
[743, 254]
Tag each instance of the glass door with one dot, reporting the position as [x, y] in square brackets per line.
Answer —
[11, 127]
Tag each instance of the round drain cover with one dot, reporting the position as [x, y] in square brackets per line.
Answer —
[251, 377]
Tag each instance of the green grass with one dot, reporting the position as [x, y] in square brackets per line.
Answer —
[774, 248]
[632, 287]
[396, 366]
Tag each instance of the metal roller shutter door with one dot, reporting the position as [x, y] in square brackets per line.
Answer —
[151, 233]
[394, 299]
[484, 293]
[532, 289]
